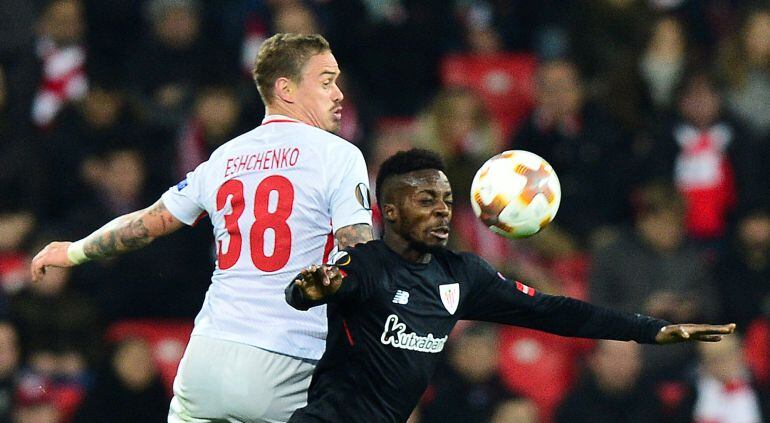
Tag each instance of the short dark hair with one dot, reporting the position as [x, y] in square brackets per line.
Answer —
[285, 55]
[405, 162]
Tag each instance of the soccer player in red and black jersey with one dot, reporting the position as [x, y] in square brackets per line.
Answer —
[393, 302]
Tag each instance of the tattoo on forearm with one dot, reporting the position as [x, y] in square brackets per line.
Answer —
[125, 233]
[353, 234]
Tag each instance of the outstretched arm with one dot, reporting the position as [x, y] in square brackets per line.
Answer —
[125, 233]
[500, 300]
[349, 236]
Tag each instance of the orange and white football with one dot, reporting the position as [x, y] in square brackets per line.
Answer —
[516, 193]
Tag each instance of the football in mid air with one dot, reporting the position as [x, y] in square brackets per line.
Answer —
[516, 193]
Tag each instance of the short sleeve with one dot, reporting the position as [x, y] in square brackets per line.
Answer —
[350, 201]
[183, 199]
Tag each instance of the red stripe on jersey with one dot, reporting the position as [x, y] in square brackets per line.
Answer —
[525, 289]
[280, 121]
[199, 218]
[347, 332]
[328, 247]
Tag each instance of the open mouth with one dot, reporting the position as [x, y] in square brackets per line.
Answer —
[337, 113]
[441, 232]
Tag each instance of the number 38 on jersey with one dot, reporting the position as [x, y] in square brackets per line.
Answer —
[269, 217]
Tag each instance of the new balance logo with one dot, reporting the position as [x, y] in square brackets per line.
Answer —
[401, 297]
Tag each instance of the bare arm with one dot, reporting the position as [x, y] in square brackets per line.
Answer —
[351, 235]
[125, 233]
[131, 232]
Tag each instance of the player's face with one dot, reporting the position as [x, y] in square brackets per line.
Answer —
[318, 95]
[425, 209]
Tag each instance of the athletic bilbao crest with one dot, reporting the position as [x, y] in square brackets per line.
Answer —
[450, 296]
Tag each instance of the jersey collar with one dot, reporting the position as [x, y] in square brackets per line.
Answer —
[278, 119]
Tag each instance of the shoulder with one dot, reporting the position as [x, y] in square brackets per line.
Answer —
[228, 146]
[466, 258]
[465, 261]
[361, 261]
[332, 143]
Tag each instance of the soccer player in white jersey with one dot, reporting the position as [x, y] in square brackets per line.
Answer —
[277, 197]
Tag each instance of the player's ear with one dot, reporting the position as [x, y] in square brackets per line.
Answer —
[389, 212]
[285, 89]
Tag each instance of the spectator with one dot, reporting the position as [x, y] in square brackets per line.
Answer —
[724, 388]
[744, 271]
[215, 120]
[18, 60]
[128, 391]
[470, 389]
[502, 80]
[19, 189]
[580, 141]
[700, 149]
[111, 28]
[639, 89]
[656, 270]
[458, 127]
[663, 63]
[15, 229]
[63, 57]
[419, 37]
[612, 390]
[92, 126]
[295, 17]
[606, 33]
[35, 402]
[481, 36]
[745, 64]
[172, 61]
[520, 410]
[9, 368]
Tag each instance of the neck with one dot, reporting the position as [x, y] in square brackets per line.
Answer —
[406, 249]
[290, 110]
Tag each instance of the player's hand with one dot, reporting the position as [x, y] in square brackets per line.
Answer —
[54, 254]
[672, 334]
[317, 282]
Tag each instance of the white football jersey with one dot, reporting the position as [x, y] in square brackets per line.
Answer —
[275, 196]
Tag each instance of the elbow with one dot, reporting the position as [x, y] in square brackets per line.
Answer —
[291, 294]
[288, 294]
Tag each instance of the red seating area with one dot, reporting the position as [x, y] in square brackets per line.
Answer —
[504, 81]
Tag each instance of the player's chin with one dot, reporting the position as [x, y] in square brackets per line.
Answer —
[429, 245]
[441, 244]
[435, 248]
[333, 125]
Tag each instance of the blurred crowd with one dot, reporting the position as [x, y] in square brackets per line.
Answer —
[654, 113]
